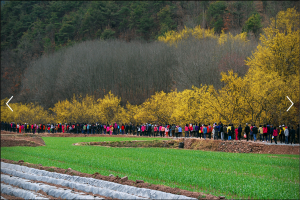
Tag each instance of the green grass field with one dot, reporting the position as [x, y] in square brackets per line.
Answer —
[262, 176]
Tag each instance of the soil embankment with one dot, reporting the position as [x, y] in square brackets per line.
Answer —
[206, 145]
[11, 140]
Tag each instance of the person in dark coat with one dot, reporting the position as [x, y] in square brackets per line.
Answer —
[33, 129]
[221, 129]
[93, 128]
[289, 137]
[126, 128]
[292, 133]
[130, 128]
[240, 129]
[133, 129]
[115, 131]
[232, 131]
[255, 131]
[298, 133]
[271, 132]
[247, 130]
[149, 130]
[197, 130]
[100, 128]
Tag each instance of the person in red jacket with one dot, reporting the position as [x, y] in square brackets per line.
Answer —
[191, 130]
[275, 134]
[265, 132]
[236, 133]
[209, 130]
[122, 128]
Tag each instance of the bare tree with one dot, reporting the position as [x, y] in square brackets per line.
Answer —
[134, 71]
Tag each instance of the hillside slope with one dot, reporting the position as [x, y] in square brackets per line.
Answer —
[30, 29]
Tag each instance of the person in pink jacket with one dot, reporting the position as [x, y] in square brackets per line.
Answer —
[155, 130]
[160, 132]
[142, 130]
[186, 130]
[275, 134]
[107, 129]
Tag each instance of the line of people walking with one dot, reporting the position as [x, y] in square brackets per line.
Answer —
[265, 133]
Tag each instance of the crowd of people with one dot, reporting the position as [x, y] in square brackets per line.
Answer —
[265, 133]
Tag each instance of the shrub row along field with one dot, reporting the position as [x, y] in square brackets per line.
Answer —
[260, 176]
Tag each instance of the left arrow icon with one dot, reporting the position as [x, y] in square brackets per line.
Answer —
[8, 102]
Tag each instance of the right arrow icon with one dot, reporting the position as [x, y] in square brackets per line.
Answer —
[291, 102]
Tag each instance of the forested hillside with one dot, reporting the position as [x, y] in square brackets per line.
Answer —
[43, 58]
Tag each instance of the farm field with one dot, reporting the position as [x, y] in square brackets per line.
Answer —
[231, 175]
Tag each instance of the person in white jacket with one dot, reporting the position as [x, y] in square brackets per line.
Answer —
[286, 133]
